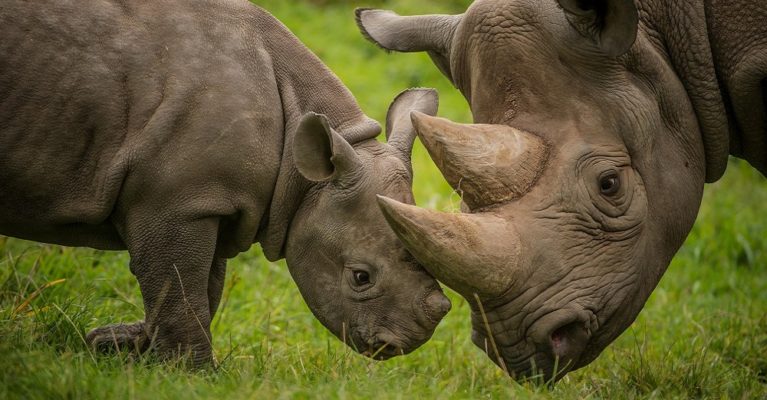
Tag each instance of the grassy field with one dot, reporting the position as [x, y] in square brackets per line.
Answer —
[703, 333]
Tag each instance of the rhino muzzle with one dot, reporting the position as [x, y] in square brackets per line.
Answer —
[382, 343]
[556, 343]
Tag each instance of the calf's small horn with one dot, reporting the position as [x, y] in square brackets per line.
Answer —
[470, 253]
[486, 164]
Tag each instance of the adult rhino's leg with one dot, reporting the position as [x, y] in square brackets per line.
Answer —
[216, 281]
[172, 262]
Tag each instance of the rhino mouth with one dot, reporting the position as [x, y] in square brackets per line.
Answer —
[382, 351]
[526, 365]
[556, 344]
[382, 346]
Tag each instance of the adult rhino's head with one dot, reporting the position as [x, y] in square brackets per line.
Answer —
[352, 270]
[582, 179]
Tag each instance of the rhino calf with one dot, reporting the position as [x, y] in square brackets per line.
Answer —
[186, 131]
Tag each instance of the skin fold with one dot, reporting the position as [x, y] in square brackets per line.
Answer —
[185, 132]
[597, 123]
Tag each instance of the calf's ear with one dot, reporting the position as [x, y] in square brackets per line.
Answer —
[611, 24]
[430, 33]
[400, 133]
[321, 154]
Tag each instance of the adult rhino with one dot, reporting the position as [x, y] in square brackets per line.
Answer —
[186, 131]
[598, 123]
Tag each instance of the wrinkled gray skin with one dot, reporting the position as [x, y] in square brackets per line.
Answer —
[186, 131]
[598, 122]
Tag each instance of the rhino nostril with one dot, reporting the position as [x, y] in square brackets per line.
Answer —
[437, 305]
[379, 346]
[568, 342]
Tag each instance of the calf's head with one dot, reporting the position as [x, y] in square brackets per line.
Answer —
[581, 179]
[354, 273]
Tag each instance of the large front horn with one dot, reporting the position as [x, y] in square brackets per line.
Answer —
[486, 164]
[470, 253]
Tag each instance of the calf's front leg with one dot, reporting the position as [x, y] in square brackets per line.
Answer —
[132, 337]
[174, 265]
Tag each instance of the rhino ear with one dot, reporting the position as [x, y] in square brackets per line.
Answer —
[430, 33]
[611, 24]
[321, 154]
[400, 132]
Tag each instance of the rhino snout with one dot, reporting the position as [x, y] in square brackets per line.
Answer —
[436, 305]
[566, 343]
[384, 343]
[431, 308]
[562, 338]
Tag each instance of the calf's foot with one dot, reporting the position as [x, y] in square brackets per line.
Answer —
[119, 337]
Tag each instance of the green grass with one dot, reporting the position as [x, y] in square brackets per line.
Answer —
[702, 334]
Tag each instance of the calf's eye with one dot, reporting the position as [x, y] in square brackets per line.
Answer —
[361, 278]
[609, 183]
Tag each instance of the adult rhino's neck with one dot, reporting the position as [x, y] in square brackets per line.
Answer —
[683, 30]
[305, 85]
[738, 37]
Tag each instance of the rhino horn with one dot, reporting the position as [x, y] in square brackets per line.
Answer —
[486, 164]
[470, 253]
[400, 133]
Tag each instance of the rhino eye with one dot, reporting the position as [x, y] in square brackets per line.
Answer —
[361, 278]
[609, 183]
